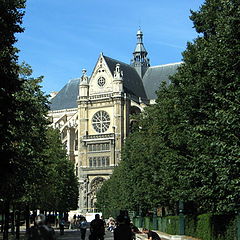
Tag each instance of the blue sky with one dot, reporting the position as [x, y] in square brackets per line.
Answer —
[64, 36]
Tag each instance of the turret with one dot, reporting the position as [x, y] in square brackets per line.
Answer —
[84, 86]
[140, 61]
[118, 79]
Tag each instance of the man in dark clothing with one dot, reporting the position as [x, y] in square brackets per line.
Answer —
[61, 226]
[123, 231]
[151, 235]
[41, 231]
[97, 229]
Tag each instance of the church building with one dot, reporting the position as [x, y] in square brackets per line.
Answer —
[93, 114]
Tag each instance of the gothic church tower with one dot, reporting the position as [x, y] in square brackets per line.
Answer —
[140, 61]
[94, 115]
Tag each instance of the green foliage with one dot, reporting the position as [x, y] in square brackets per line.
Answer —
[190, 225]
[59, 188]
[204, 227]
[212, 227]
[173, 225]
[11, 13]
[187, 145]
[30, 137]
[224, 227]
[208, 89]
[34, 167]
[147, 222]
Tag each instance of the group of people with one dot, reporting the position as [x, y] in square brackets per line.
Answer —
[79, 222]
[42, 230]
[122, 229]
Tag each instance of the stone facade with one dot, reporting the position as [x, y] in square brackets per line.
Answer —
[93, 115]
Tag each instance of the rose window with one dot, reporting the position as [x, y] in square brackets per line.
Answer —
[101, 121]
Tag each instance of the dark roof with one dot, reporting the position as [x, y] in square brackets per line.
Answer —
[154, 76]
[67, 97]
[146, 88]
[132, 82]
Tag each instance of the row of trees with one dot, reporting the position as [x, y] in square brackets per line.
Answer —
[187, 146]
[34, 170]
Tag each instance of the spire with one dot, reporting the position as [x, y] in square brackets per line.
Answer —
[140, 61]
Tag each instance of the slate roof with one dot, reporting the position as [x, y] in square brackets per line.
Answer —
[155, 75]
[146, 88]
[132, 83]
[67, 96]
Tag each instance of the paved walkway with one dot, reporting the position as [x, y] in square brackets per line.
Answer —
[75, 235]
[68, 235]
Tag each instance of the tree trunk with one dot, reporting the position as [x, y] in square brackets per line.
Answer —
[13, 220]
[6, 222]
[34, 216]
[2, 225]
[27, 217]
[17, 225]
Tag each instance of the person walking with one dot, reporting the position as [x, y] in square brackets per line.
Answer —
[123, 230]
[41, 231]
[97, 229]
[83, 227]
[61, 226]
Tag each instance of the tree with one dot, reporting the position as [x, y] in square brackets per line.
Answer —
[59, 190]
[146, 177]
[191, 135]
[208, 83]
[11, 14]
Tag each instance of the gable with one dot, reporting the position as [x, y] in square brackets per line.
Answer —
[101, 80]
[132, 83]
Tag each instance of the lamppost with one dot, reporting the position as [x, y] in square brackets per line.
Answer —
[140, 217]
[181, 218]
[155, 223]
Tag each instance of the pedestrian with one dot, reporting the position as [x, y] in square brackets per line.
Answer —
[151, 235]
[61, 226]
[123, 230]
[83, 227]
[111, 225]
[97, 229]
[41, 231]
[124, 214]
[74, 220]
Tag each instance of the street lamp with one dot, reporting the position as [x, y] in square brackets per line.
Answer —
[155, 223]
[181, 218]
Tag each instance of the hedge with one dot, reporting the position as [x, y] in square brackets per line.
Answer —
[205, 226]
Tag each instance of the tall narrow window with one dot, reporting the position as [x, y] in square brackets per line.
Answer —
[94, 162]
[90, 162]
[103, 161]
[99, 164]
[107, 161]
